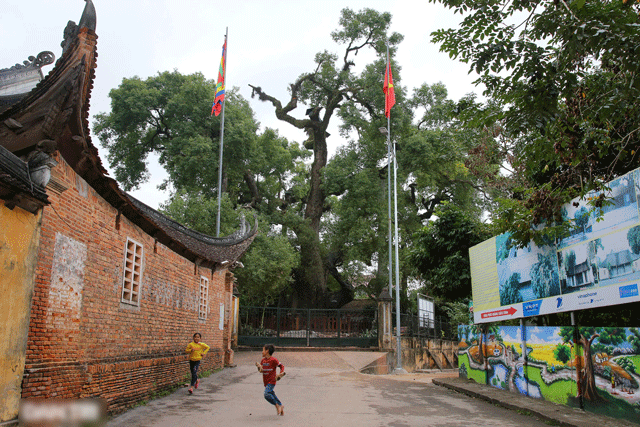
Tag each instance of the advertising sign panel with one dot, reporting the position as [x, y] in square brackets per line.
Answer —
[426, 312]
[597, 265]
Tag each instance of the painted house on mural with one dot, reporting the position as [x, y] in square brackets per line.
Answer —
[118, 289]
[618, 264]
[580, 275]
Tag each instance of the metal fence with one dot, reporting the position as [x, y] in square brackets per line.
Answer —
[307, 327]
[411, 325]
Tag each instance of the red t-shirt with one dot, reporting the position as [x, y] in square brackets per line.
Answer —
[269, 366]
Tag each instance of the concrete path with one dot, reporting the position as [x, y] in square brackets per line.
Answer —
[320, 389]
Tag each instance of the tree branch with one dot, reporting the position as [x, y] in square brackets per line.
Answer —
[282, 113]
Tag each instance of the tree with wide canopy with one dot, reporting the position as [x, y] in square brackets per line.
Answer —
[326, 219]
[561, 79]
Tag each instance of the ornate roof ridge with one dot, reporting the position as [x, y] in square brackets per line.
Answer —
[244, 233]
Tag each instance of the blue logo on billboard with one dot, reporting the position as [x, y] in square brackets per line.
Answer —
[559, 301]
[629, 291]
[531, 308]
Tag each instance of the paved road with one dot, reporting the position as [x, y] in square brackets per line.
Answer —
[320, 389]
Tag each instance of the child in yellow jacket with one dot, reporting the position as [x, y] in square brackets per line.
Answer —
[196, 350]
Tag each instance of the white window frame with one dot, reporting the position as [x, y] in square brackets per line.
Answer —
[132, 273]
[203, 304]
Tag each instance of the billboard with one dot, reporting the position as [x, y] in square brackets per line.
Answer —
[426, 311]
[597, 265]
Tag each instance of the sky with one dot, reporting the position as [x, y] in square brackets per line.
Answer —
[270, 44]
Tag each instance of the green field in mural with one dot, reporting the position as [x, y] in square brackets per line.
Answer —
[608, 360]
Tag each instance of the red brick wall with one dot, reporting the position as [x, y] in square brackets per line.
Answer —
[83, 341]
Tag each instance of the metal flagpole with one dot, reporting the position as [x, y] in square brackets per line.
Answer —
[224, 103]
[389, 190]
[399, 369]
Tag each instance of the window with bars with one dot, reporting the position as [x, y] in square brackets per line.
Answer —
[204, 298]
[132, 278]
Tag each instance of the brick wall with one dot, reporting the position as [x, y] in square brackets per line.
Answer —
[83, 341]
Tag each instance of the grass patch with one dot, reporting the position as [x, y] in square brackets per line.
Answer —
[614, 407]
[208, 373]
[558, 392]
[472, 374]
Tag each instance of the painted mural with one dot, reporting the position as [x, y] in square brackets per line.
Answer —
[546, 362]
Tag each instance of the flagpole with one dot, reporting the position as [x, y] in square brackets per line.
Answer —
[222, 137]
[399, 369]
[389, 190]
[388, 75]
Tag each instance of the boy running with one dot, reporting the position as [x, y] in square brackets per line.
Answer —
[268, 366]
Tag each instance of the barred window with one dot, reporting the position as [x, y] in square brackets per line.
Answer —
[204, 298]
[132, 277]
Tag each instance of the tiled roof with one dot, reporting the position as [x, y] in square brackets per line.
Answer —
[15, 183]
[615, 259]
[58, 109]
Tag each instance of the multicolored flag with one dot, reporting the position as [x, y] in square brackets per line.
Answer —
[219, 98]
[389, 94]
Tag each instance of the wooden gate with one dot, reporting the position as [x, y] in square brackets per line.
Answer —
[307, 327]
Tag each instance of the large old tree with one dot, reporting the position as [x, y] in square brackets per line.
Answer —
[333, 85]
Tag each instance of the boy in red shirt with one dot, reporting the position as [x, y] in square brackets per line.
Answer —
[268, 366]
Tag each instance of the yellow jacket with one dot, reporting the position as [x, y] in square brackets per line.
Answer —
[197, 350]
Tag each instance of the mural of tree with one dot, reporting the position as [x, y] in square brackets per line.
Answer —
[465, 332]
[634, 339]
[570, 261]
[509, 292]
[581, 218]
[592, 250]
[503, 245]
[562, 353]
[609, 339]
[586, 337]
[633, 236]
[544, 276]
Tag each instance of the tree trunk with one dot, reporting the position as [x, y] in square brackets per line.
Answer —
[311, 277]
[311, 261]
[589, 388]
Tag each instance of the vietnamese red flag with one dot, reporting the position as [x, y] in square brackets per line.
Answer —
[389, 94]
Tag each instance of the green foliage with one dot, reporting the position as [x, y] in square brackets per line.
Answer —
[563, 78]
[268, 266]
[457, 312]
[323, 223]
[633, 236]
[609, 338]
[440, 252]
[562, 353]
[510, 291]
[627, 364]
[544, 276]
[634, 339]
[581, 218]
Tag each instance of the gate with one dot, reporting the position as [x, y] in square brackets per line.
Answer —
[307, 327]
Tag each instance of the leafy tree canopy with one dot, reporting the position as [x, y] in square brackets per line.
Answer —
[563, 78]
[440, 252]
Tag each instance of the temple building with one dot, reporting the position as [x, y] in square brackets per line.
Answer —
[100, 292]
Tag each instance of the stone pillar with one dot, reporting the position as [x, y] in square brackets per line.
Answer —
[384, 321]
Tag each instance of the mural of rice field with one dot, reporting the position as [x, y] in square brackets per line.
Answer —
[596, 368]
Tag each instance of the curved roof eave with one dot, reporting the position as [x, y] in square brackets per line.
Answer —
[72, 76]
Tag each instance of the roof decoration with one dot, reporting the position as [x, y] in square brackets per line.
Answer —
[57, 111]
